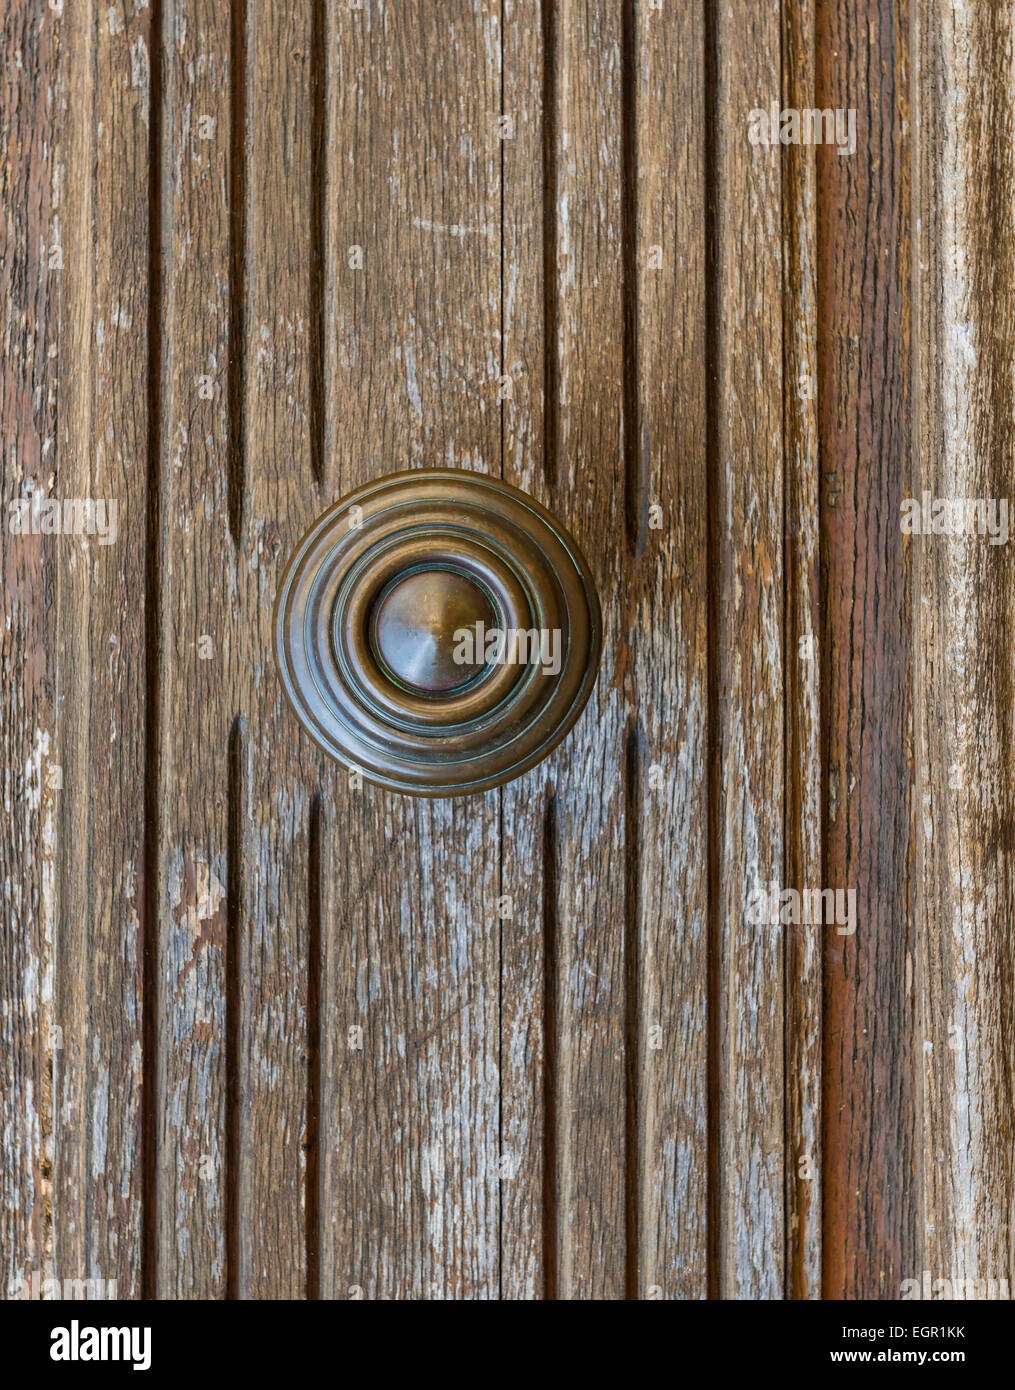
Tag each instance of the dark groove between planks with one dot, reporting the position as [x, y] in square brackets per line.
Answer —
[711, 68]
[633, 1111]
[318, 237]
[312, 1141]
[551, 369]
[635, 462]
[153, 523]
[550, 1047]
[237, 288]
[236, 868]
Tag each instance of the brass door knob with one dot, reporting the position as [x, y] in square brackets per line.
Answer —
[437, 630]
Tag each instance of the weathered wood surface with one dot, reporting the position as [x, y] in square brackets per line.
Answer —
[29, 652]
[268, 1032]
[802, 665]
[198, 657]
[867, 419]
[748, 756]
[588, 873]
[963, 642]
[667, 615]
[75, 298]
[529, 1045]
[236, 781]
[410, 1113]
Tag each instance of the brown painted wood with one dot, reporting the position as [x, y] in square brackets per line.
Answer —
[409, 920]
[802, 695]
[668, 610]
[75, 427]
[29, 651]
[529, 1114]
[870, 1186]
[586, 335]
[283, 773]
[524, 1045]
[238, 491]
[105, 441]
[76, 409]
[962, 646]
[746, 453]
[199, 667]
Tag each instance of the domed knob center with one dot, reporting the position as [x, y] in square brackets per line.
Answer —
[414, 625]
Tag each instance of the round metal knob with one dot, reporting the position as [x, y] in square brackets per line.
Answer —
[437, 630]
[414, 625]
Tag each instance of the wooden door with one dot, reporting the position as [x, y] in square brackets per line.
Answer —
[267, 1032]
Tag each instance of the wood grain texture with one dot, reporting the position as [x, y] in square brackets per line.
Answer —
[79, 435]
[198, 664]
[528, 968]
[239, 490]
[410, 925]
[282, 304]
[657, 1139]
[667, 617]
[865, 423]
[526, 1045]
[587, 493]
[105, 443]
[803, 633]
[29, 651]
[72, 248]
[963, 642]
[747, 455]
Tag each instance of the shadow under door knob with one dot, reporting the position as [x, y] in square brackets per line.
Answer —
[438, 630]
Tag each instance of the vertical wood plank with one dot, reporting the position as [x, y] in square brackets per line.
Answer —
[866, 422]
[77, 440]
[964, 639]
[198, 597]
[584, 457]
[668, 617]
[107, 273]
[281, 300]
[749, 663]
[803, 806]
[29, 328]
[73, 250]
[238, 492]
[410, 931]
[528, 1122]
[659, 1176]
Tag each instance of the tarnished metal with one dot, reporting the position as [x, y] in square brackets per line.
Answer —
[438, 630]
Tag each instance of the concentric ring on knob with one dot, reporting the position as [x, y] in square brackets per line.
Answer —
[437, 630]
